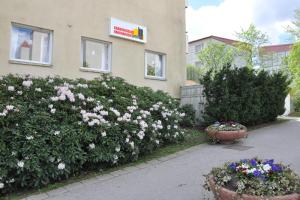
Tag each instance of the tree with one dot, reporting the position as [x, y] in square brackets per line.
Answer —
[194, 73]
[294, 56]
[216, 55]
[249, 47]
[296, 30]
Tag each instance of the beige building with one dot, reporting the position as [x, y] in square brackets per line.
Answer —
[138, 40]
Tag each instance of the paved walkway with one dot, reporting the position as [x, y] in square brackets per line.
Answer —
[179, 176]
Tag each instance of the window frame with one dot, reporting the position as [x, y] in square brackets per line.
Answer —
[31, 62]
[109, 55]
[164, 65]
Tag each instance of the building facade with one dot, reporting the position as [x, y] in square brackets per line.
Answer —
[138, 40]
[196, 46]
[272, 57]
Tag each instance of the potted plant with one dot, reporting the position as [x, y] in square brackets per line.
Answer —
[226, 132]
[253, 179]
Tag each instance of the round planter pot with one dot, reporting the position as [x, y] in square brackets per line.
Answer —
[225, 194]
[227, 136]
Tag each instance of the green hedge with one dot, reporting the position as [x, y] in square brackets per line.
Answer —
[243, 95]
[54, 128]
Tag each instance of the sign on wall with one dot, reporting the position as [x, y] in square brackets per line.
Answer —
[129, 31]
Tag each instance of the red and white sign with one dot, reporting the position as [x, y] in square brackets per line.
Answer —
[129, 31]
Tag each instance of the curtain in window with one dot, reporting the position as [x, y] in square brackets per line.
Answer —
[21, 47]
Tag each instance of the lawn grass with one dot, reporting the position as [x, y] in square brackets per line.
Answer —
[295, 114]
[193, 137]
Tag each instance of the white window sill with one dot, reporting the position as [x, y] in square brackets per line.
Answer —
[24, 62]
[85, 69]
[156, 78]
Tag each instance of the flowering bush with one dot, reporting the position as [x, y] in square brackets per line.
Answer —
[54, 128]
[226, 126]
[256, 177]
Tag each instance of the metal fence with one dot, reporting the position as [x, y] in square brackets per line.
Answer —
[193, 95]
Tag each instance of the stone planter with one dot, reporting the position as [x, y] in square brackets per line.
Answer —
[227, 136]
[225, 194]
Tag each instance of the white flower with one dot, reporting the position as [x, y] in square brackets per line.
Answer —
[245, 166]
[51, 159]
[131, 144]
[29, 137]
[92, 146]
[10, 181]
[103, 134]
[267, 168]
[115, 158]
[61, 166]
[91, 123]
[90, 99]
[175, 126]
[20, 164]
[56, 132]
[1, 185]
[38, 89]
[103, 113]
[50, 81]
[11, 88]
[53, 111]
[141, 135]
[81, 96]
[54, 98]
[50, 106]
[27, 83]
[157, 141]
[62, 97]
[118, 148]
[19, 92]
[127, 140]
[9, 107]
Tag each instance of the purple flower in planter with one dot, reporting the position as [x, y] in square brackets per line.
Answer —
[232, 166]
[257, 173]
[253, 162]
[270, 162]
[276, 168]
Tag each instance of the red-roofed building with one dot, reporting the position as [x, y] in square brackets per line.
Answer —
[271, 56]
[194, 47]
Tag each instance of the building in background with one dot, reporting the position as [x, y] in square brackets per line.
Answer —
[138, 40]
[273, 56]
[196, 46]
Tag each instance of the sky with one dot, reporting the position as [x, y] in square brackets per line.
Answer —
[226, 17]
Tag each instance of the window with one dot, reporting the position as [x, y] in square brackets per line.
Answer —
[29, 44]
[155, 65]
[199, 47]
[96, 55]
